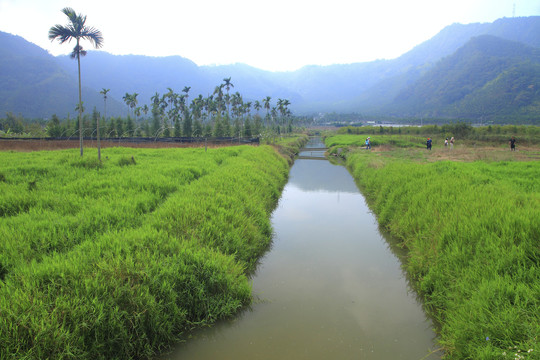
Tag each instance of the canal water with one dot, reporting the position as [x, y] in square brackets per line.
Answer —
[329, 288]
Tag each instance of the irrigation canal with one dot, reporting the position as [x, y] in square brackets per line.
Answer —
[330, 287]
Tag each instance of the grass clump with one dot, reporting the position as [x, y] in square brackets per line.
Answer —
[87, 163]
[125, 160]
[471, 230]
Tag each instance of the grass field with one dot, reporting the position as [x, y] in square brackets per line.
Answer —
[120, 259]
[470, 221]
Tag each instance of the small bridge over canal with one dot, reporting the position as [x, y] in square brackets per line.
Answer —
[312, 153]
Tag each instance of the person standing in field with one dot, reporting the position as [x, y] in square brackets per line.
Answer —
[452, 142]
[512, 144]
[428, 143]
[446, 143]
[368, 143]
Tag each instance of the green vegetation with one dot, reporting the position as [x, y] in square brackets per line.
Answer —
[288, 146]
[359, 141]
[121, 258]
[471, 230]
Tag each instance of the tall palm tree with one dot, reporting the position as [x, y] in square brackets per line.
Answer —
[247, 109]
[133, 102]
[228, 85]
[155, 99]
[127, 100]
[218, 92]
[76, 29]
[286, 111]
[237, 102]
[266, 102]
[274, 113]
[286, 104]
[145, 109]
[104, 93]
[170, 97]
[137, 112]
[281, 109]
[257, 106]
[210, 106]
[186, 90]
[156, 114]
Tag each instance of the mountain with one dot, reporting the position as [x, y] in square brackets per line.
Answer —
[410, 67]
[35, 85]
[457, 73]
[486, 77]
[525, 30]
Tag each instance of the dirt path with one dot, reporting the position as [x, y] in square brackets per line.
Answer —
[466, 153]
[38, 145]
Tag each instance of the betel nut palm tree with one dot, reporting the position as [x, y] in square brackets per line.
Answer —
[267, 105]
[78, 30]
[228, 85]
[104, 93]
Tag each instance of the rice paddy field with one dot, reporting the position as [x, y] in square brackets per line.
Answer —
[121, 259]
[469, 219]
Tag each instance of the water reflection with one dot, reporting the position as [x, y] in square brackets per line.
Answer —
[329, 288]
[320, 176]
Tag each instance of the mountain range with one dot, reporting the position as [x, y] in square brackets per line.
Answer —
[481, 71]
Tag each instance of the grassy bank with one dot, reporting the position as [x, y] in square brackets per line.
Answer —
[494, 135]
[121, 259]
[472, 233]
[288, 146]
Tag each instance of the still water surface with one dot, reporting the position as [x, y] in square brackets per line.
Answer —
[329, 288]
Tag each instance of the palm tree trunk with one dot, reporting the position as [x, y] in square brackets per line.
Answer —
[98, 144]
[80, 98]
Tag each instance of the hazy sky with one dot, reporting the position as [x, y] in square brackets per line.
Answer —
[273, 35]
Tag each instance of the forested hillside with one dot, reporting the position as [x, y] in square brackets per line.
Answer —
[487, 78]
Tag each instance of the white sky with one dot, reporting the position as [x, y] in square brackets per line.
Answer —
[276, 35]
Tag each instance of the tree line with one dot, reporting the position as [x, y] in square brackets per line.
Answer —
[174, 115]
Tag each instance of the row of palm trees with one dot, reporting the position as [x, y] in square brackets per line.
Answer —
[171, 115]
[171, 109]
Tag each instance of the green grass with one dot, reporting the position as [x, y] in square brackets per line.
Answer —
[120, 259]
[288, 146]
[471, 230]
